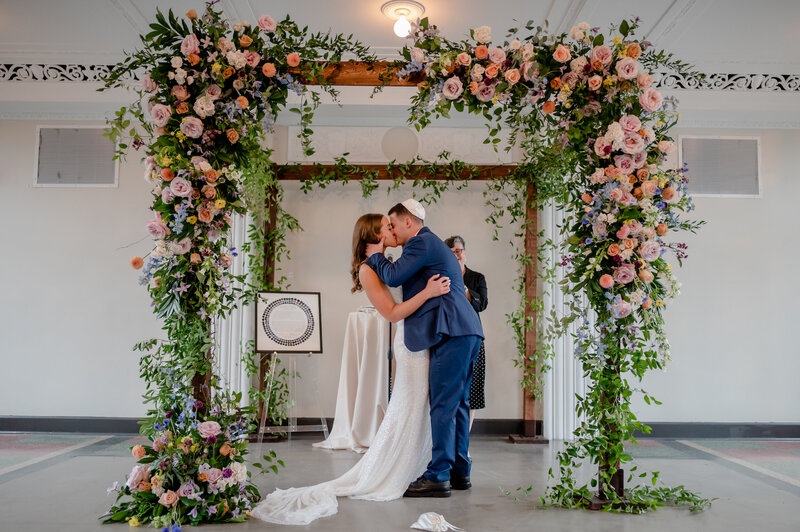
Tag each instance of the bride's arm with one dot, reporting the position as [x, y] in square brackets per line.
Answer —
[381, 298]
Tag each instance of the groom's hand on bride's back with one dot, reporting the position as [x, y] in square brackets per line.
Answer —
[375, 248]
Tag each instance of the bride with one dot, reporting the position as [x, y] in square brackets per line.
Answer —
[402, 446]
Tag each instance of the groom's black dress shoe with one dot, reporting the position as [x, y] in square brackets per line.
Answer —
[460, 483]
[422, 487]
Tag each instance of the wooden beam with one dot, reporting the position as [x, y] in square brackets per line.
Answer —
[299, 172]
[266, 360]
[361, 74]
[531, 409]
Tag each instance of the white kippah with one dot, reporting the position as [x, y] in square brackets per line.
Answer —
[414, 207]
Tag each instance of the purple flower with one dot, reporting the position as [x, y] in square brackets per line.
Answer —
[227, 472]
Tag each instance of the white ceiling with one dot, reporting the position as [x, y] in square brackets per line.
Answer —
[718, 35]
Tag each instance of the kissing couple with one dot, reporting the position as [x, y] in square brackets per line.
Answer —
[436, 343]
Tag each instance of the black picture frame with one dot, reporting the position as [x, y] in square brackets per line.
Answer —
[269, 338]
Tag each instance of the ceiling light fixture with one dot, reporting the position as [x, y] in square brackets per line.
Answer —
[402, 11]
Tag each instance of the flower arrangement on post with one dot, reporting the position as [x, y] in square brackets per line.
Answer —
[594, 132]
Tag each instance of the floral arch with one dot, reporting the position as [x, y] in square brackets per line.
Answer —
[593, 131]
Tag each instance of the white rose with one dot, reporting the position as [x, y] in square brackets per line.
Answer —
[176, 62]
[204, 107]
[483, 34]
[515, 44]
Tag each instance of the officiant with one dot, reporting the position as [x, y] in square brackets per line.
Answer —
[475, 284]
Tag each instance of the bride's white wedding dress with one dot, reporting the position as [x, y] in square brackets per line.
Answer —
[399, 452]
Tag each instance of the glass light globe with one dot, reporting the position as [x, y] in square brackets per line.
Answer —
[402, 27]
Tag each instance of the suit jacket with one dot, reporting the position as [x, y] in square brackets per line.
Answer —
[425, 255]
[476, 283]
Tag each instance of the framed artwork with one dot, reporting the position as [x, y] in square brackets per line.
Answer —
[288, 322]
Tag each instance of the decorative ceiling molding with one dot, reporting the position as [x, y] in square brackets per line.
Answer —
[571, 14]
[131, 12]
[233, 10]
[673, 18]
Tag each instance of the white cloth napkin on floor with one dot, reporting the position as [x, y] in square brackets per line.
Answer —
[434, 522]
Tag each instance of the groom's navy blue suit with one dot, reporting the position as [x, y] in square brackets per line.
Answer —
[451, 329]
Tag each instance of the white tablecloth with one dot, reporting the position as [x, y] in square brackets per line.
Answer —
[363, 382]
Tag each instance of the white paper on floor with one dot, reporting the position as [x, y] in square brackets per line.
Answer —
[434, 522]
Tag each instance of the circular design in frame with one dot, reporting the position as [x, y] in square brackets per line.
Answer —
[288, 321]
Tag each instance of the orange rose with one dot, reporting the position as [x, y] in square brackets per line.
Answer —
[202, 477]
[204, 215]
[633, 51]
[473, 87]
[211, 176]
[191, 14]
[482, 52]
[136, 263]
[548, 107]
[268, 70]
[491, 71]
[632, 178]
[613, 250]
[643, 174]
[167, 174]
[422, 85]
[597, 65]
[242, 101]
[144, 486]
[138, 451]
[193, 59]
[630, 243]
[668, 193]
[293, 59]
[209, 192]
[195, 258]
[245, 41]
[637, 193]
[225, 449]
[662, 229]
[555, 83]
[587, 198]
[228, 72]
[195, 194]
[232, 135]
[182, 108]
[641, 133]
[647, 303]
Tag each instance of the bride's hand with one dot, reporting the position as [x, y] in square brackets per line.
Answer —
[437, 286]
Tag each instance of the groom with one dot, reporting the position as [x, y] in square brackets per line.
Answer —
[446, 325]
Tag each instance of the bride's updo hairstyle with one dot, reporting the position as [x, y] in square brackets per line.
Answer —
[366, 231]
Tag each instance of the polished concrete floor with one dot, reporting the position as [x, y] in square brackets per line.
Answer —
[58, 483]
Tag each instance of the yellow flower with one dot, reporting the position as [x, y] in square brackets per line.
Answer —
[181, 136]
[659, 303]
[133, 521]
[567, 105]
[195, 447]
[660, 123]
[662, 183]
[192, 220]
[219, 204]
[678, 115]
[617, 39]
[216, 67]
[669, 266]
[622, 54]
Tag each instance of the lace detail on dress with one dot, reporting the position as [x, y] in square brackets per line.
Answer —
[398, 454]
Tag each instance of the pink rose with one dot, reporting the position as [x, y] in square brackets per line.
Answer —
[157, 229]
[166, 195]
[624, 273]
[623, 232]
[181, 187]
[598, 177]
[190, 45]
[252, 58]
[578, 65]
[491, 70]
[649, 187]
[602, 54]
[160, 114]
[207, 429]
[267, 23]
[616, 195]
[627, 68]
[595, 82]
[570, 79]
[602, 147]
[599, 229]
[606, 281]
[139, 474]
[148, 85]
[636, 226]
[639, 159]
[485, 93]
[633, 143]
[192, 127]
[184, 245]
[512, 76]
[529, 71]
[666, 146]
[452, 88]
[650, 250]
[644, 80]
[169, 499]
[497, 55]
[179, 92]
[630, 123]
[651, 100]
[562, 54]
[621, 308]
[417, 55]
[214, 91]
[464, 59]
[624, 163]
[646, 276]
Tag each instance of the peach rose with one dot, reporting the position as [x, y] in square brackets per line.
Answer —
[482, 52]
[464, 59]
[204, 215]
[138, 451]
[649, 187]
[548, 107]
[512, 76]
[587, 198]
[167, 174]
[245, 41]
[195, 258]
[662, 229]
[232, 135]
[268, 70]
[202, 477]
[606, 281]
[629, 243]
[169, 499]
[209, 192]
[191, 14]
[473, 87]
[562, 54]
[293, 59]
[210, 175]
[668, 193]
[601, 54]
[137, 263]
[633, 51]
[491, 71]
[228, 72]
[225, 449]
[644, 80]
[665, 146]
[642, 174]
[242, 102]
[647, 303]
[616, 195]
[595, 82]
[613, 250]
[651, 100]
[144, 486]
[179, 92]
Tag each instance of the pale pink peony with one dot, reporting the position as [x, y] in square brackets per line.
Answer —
[602, 147]
[650, 250]
[139, 474]
[190, 45]
[252, 58]
[640, 159]
[214, 475]
[214, 91]
[624, 273]
[578, 64]
[464, 59]
[627, 68]
[602, 54]
[599, 229]
[192, 127]
[624, 163]
[452, 88]
[181, 187]
[160, 114]
[512, 76]
[644, 80]
[188, 489]
[651, 100]
[485, 93]
[606, 281]
[267, 23]
[633, 143]
[595, 82]
[666, 146]
[570, 79]
[621, 308]
[207, 429]
[157, 229]
[166, 195]
[562, 54]
[630, 123]
[148, 85]
[497, 55]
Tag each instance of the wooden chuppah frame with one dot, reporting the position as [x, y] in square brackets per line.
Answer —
[383, 74]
